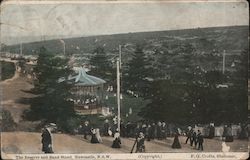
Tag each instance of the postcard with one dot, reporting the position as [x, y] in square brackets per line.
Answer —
[123, 80]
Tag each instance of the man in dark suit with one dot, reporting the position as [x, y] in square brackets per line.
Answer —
[200, 140]
[86, 129]
[106, 127]
[47, 138]
[189, 134]
[158, 131]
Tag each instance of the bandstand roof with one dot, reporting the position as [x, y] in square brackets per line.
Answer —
[83, 79]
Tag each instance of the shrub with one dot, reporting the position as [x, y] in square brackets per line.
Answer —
[8, 123]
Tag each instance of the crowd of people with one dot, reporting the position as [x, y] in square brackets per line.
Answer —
[196, 139]
[141, 131]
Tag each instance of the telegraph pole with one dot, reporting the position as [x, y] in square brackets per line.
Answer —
[118, 95]
[120, 55]
[118, 64]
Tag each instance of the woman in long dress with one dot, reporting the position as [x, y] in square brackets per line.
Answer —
[93, 136]
[98, 136]
[229, 135]
[116, 141]
[176, 144]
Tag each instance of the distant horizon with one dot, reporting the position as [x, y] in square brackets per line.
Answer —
[62, 20]
[57, 37]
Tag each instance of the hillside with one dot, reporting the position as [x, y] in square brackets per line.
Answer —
[228, 38]
[169, 52]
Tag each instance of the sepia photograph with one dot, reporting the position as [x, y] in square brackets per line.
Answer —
[124, 79]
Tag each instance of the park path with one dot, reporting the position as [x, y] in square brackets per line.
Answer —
[12, 90]
[30, 142]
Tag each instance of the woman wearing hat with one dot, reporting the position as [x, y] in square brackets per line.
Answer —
[47, 138]
[117, 140]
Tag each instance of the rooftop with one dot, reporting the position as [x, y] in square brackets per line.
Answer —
[84, 79]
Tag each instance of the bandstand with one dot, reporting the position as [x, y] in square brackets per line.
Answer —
[87, 92]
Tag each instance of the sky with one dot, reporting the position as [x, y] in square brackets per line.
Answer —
[26, 22]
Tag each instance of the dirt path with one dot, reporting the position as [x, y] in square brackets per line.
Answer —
[30, 142]
[11, 94]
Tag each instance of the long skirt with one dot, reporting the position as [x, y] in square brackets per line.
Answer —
[116, 143]
[176, 144]
[94, 139]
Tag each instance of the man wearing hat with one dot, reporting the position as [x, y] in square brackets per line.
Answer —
[47, 138]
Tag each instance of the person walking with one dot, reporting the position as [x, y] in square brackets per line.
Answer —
[176, 144]
[86, 129]
[194, 139]
[200, 140]
[158, 131]
[47, 138]
[229, 135]
[93, 136]
[140, 147]
[211, 131]
[117, 141]
[98, 135]
[189, 134]
[149, 132]
[137, 130]
[106, 127]
[128, 128]
[153, 132]
[164, 130]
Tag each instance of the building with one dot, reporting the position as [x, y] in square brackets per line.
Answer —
[88, 93]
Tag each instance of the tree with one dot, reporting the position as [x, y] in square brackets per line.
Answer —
[137, 77]
[52, 91]
[167, 102]
[192, 95]
[101, 66]
[7, 123]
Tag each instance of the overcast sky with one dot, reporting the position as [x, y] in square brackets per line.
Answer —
[82, 19]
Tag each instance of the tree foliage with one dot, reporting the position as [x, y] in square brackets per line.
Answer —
[7, 123]
[137, 77]
[101, 66]
[7, 70]
[51, 89]
[194, 95]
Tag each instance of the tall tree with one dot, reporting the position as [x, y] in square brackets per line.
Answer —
[167, 102]
[52, 91]
[190, 96]
[137, 77]
[101, 66]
